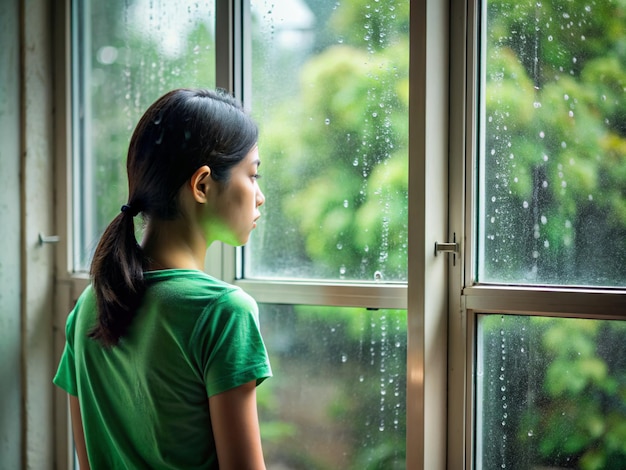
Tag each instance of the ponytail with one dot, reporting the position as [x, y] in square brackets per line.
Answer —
[117, 279]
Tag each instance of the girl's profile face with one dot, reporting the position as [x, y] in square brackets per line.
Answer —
[238, 200]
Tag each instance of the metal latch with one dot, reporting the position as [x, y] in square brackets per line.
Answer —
[448, 247]
[48, 239]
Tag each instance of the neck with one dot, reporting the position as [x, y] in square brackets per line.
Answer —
[171, 244]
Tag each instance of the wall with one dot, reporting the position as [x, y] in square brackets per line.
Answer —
[26, 210]
[10, 308]
[37, 261]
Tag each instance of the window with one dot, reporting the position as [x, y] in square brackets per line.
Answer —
[328, 85]
[552, 202]
[335, 137]
[500, 128]
[544, 275]
[550, 392]
[126, 55]
[338, 397]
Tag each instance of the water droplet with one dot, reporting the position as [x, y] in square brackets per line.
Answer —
[327, 121]
[378, 276]
[531, 433]
[344, 358]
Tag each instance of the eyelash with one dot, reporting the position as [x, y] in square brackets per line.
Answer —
[257, 176]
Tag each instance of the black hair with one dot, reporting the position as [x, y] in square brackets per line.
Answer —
[180, 132]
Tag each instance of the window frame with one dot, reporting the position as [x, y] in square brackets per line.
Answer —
[441, 322]
[467, 297]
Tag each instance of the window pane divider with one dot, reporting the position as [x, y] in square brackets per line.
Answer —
[372, 296]
[567, 301]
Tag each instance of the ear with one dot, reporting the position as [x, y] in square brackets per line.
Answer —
[200, 183]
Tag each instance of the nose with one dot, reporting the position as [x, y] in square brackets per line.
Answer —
[260, 197]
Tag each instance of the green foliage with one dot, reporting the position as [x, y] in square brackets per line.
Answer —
[565, 386]
[337, 115]
[554, 138]
[354, 359]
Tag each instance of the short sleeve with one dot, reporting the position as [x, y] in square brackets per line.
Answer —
[65, 377]
[227, 344]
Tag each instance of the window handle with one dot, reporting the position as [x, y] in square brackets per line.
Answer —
[48, 239]
[448, 247]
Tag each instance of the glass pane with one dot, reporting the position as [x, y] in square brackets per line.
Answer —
[337, 398]
[550, 393]
[552, 203]
[330, 92]
[126, 55]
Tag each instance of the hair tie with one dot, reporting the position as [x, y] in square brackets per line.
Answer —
[127, 208]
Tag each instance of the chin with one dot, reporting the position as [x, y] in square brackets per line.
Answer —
[241, 241]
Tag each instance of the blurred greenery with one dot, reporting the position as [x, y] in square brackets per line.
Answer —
[340, 382]
[555, 143]
[555, 388]
[335, 141]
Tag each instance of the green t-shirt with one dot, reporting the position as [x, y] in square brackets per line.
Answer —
[144, 402]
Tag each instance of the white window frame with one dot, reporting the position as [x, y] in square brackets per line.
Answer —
[476, 298]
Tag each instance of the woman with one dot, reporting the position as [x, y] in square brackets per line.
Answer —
[162, 361]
